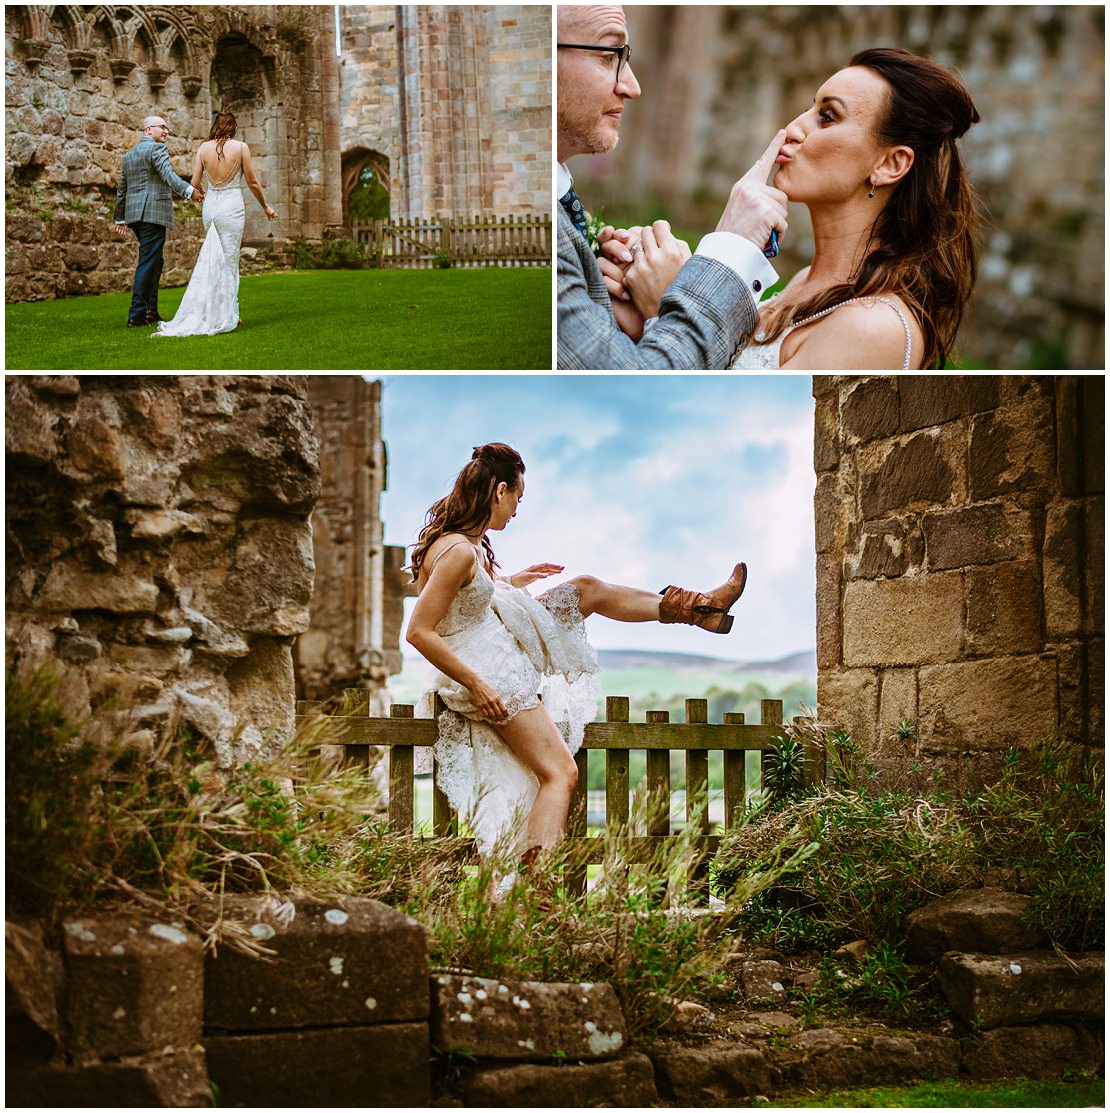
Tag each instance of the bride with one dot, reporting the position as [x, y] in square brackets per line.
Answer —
[894, 259]
[518, 673]
[211, 300]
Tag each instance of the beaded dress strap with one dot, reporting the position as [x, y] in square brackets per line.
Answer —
[872, 297]
[227, 181]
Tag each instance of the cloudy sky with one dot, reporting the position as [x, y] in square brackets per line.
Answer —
[643, 480]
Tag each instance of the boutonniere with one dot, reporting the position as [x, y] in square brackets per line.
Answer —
[594, 223]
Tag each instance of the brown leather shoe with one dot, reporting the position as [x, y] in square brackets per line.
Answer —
[709, 610]
[153, 317]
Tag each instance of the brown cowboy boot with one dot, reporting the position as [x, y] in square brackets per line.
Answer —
[709, 610]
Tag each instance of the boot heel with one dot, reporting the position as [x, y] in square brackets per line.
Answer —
[725, 626]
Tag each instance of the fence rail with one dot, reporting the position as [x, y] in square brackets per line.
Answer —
[402, 734]
[491, 241]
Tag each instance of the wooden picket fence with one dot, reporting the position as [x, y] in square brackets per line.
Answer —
[401, 734]
[490, 241]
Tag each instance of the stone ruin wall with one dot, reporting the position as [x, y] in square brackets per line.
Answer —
[960, 564]
[354, 634]
[80, 80]
[159, 548]
[450, 104]
[719, 81]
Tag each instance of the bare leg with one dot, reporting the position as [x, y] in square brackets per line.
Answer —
[536, 741]
[624, 604]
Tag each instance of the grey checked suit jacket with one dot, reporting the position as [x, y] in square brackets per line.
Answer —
[705, 315]
[147, 184]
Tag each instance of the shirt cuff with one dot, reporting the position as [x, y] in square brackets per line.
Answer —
[188, 192]
[743, 257]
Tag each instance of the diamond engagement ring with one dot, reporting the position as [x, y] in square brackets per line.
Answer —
[636, 247]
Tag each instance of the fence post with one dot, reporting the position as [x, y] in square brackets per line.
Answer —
[659, 783]
[735, 776]
[576, 822]
[814, 770]
[697, 799]
[616, 770]
[770, 715]
[400, 776]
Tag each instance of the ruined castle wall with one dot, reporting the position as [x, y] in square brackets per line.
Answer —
[960, 563]
[457, 99]
[353, 639]
[159, 548]
[718, 82]
[80, 80]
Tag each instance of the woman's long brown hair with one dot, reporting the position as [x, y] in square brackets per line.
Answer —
[922, 244]
[469, 506]
[223, 129]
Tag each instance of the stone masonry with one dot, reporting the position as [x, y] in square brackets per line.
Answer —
[159, 549]
[353, 639]
[450, 104]
[80, 80]
[718, 82]
[960, 576]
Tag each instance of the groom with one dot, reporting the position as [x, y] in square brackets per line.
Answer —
[144, 201]
[707, 307]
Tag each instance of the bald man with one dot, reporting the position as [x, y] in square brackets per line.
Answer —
[701, 309]
[144, 203]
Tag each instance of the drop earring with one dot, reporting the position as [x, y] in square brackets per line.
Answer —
[871, 191]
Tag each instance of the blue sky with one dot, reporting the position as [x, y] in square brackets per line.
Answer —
[645, 480]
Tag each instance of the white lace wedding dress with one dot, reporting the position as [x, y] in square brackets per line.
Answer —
[528, 649]
[211, 301]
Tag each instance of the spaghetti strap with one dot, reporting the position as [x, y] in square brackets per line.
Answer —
[866, 297]
[447, 549]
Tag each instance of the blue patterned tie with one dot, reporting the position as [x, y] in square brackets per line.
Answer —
[574, 209]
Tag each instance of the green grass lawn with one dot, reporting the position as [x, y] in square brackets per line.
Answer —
[369, 320]
[956, 1094]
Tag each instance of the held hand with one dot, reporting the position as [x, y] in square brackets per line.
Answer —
[198, 195]
[754, 207]
[655, 267]
[629, 319]
[270, 214]
[533, 573]
[122, 230]
[614, 273]
[489, 704]
[615, 242]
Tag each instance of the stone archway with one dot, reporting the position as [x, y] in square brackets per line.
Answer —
[354, 162]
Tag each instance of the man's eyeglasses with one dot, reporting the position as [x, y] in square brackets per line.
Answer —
[623, 53]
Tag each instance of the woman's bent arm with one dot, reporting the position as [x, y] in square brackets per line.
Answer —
[198, 168]
[450, 573]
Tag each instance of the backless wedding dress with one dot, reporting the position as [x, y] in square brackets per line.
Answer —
[211, 301]
[529, 649]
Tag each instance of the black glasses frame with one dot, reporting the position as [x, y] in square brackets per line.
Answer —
[624, 53]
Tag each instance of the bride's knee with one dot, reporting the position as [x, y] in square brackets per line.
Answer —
[589, 588]
[562, 774]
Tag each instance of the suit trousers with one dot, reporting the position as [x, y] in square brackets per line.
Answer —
[148, 271]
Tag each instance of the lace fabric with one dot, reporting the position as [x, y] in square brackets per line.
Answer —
[530, 650]
[211, 301]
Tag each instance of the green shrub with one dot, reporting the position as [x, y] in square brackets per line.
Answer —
[337, 254]
[443, 260]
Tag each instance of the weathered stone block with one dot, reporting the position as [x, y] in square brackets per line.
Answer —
[707, 1075]
[354, 961]
[382, 1065]
[995, 991]
[174, 1079]
[983, 534]
[1011, 450]
[71, 588]
[132, 986]
[527, 1020]
[828, 610]
[1034, 1051]
[934, 399]
[988, 920]
[870, 409]
[905, 621]
[825, 1057]
[988, 704]
[889, 549]
[910, 473]
[850, 698]
[897, 698]
[826, 435]
[828, 508]
[1004, 609]
[32, 989]
[628, 1081]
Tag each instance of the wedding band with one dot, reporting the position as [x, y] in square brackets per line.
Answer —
[636, 247]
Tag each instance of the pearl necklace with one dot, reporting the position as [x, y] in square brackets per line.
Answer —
[885, 301]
